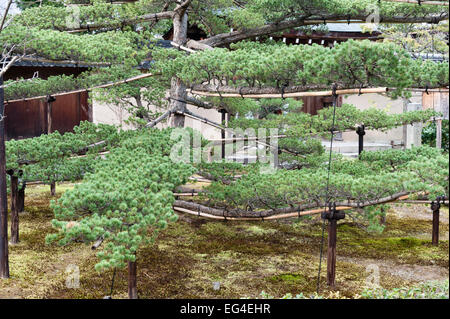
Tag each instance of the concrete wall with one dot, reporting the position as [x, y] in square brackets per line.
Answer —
[382, 102]
[111, 114]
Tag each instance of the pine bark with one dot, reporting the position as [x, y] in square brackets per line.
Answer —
[178, 89]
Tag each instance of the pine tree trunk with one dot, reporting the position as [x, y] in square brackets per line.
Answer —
[132, 280]
[178, 89]
[14, 210]
[53, 189]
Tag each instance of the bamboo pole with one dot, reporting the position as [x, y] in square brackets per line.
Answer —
[439, 90]
[291, 95]
[274, 217]
[103, 86]
[418, 202]
[43, 60]
[427, 2]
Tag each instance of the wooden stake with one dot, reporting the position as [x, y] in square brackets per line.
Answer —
[21, 198]
[222, 131]
[14, 210]
[439, 133]
[331, 259]
[53, 188]
[132, 280]
[435, 206]
[332, 215]
[361, 132]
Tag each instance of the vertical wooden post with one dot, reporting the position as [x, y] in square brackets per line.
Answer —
[21, 198]
[331, 259]
[222, 132]
[435, 207]
[246, 154]
[53, 188]
[4, 263]
[50, 99]
[438, 133]
[361, 132]
[332, 215]
[132, 280]
[234, 147]
[14, 209]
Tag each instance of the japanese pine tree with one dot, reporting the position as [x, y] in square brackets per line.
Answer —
[126, 196]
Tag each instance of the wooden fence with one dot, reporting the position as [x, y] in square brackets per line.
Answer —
[25, 119]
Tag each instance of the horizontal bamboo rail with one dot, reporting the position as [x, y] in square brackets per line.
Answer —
[275, 217]
[103, 86]
[291, 214]
[290, 95]
[426, 2]
[417, 202]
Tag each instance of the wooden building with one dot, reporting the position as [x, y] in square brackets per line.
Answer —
[30, 118]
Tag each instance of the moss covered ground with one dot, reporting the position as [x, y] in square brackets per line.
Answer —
[194, 254]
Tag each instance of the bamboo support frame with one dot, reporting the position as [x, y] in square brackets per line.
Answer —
[291, 95]
[290, 214]
[103, 86]
[426, 2]
[274, 217]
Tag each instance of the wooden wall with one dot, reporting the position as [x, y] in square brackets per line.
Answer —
[437, 101]
[27, 119]
[312, 104]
